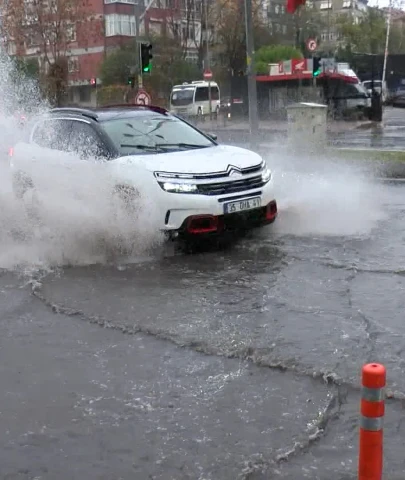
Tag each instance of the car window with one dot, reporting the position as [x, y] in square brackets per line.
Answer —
[54, 134]
[152, 133]
[85, 141]
[201, 94]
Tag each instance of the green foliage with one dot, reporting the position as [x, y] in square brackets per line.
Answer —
[168, 66]
[116, 66]
[111, 94]
[25, 68]
[366, 36]
[274, 54]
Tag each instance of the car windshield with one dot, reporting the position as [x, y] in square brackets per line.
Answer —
[182, 96]
[150, 132]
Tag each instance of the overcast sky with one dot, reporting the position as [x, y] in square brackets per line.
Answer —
[385, 3]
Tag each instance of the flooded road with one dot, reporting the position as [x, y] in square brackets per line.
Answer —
[236, 364]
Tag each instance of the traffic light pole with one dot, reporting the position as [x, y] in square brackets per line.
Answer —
[137, 6]
[251, 72]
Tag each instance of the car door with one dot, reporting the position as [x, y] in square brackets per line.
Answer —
[45, 152]
[87, 143]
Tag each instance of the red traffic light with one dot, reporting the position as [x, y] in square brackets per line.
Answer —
[93, 81]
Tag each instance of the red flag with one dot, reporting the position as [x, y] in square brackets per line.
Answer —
[292, 5]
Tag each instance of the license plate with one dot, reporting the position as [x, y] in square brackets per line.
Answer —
[242, 205]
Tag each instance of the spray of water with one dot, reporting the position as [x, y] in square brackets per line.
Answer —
[321, 195]
[72, 216]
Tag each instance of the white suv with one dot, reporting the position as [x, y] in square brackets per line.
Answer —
[199, 187]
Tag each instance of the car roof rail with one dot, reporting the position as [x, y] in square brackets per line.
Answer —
[78, 111]
[154, 108]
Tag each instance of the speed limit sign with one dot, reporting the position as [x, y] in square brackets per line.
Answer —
[311, 44]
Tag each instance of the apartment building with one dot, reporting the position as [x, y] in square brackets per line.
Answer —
[113, 23]
[329, 10]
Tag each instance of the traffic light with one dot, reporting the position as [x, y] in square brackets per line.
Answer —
[131, 81]
[93, 82]
[146, 57]
[316, 66]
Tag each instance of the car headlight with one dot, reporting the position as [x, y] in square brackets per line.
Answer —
[266, 175]
[178, 187]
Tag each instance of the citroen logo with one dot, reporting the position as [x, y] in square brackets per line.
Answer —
[234, 171]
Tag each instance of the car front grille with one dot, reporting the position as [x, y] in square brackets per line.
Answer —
[223, 188]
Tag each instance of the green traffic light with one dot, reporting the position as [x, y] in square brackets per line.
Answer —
[318, 72]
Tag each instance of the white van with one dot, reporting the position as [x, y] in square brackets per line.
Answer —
[192, 99]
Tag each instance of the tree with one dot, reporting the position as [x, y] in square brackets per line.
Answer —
[274, 54]
[366, 36]
[168, 66]
[48, 27]
[116, 67]
[230, 31]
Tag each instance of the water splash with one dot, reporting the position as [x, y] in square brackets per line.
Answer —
[325, 196]
[72, 217]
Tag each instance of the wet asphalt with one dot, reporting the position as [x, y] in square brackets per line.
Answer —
[241, 363]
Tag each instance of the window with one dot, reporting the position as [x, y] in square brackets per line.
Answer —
[326, 5]
[54, 134]
[151, 130]
[116, 24]
[120, 1]
[32, 40]
[188, 32]
[73, 64]
[201, 94]
[71, 33]
[214, 93]
[85, 141]
[182, 96]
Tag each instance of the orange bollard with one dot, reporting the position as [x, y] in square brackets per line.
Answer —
[372, 410]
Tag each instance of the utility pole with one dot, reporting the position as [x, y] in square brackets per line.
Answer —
[208, 59]
[387, 41]
[138, 63]
[251, 71]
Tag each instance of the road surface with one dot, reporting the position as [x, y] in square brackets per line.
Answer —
[242, 363]
[390, 135]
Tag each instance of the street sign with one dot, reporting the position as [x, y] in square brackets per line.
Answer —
[311, 44]
[207, 74]
[142, 97]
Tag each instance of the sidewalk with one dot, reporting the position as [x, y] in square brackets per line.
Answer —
[279, 126]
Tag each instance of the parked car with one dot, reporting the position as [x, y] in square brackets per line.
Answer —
[198, 186]
[398, 97]
[379, 87]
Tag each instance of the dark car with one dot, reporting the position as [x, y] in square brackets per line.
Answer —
[398, 97]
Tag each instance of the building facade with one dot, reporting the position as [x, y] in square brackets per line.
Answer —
[114, 23]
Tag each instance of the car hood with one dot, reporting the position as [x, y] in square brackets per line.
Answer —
[204, 160]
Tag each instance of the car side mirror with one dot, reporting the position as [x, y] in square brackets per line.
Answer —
[212, 136]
